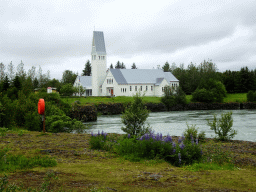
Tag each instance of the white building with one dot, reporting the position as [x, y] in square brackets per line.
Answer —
[121, 82]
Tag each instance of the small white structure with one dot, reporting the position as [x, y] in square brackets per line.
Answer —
[122, 82]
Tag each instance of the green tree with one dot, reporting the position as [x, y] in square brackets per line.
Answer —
[123, 66]
[17, 82]
[2, 73]
[134, 117]
[79, 89]
[134, 66]
[87, 69]
[69, 77]
[118, 65]
[54, 83]
[168, 99]
[166, 67]
[223, 126]
[111, 66]
[180, 96]
[67, 89]
[6, 83]
[35, 83]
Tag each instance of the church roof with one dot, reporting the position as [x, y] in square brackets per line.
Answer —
[86, 81]
[142, 76]
[99, 43]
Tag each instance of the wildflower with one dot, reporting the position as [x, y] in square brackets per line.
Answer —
[105, 135]
[98, 133]
[182, 146]
[183, 137]
[161, 136]
[92, 134]
[168, 138]
[128, 136]
[174, 150]
[179, 140]
[173, 145]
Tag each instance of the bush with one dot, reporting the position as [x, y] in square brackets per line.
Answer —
[168, 99]
[222, 126]
[57, 123]
[150, 146]
[210, 91]
[251, 96]
[134, 118]
[191, 134]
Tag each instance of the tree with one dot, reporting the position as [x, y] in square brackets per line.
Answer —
[32, 73]
[222, 126]
[17, 82]
[123, 66]
[6, 83]
[28, 86]
[54, 83]
[11, 71]
[168, 99]
[118, 65]
[67, 89]
[79, 89]
[69, 77]
[35, 83]
[87, 69]
[111, 66]
[134, 117]
[2, 73]
[21, 71]
[134, 66]
[166, 67]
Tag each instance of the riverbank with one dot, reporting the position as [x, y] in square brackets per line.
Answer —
[81, 169]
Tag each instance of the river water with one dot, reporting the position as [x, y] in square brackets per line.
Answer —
[174, 123]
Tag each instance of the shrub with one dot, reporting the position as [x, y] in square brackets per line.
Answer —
[222, 126]
[168, 99]
[98, 141]
[3, 131]
[134, 117]
[202, 95]
[192, 131]
[250, 96]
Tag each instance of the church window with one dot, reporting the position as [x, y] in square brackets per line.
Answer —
[130, 88]
[146, 88]
[135, 88]
[103, 57]
[151, 88]
[141, 88]
[125, 89]
[107, 81]
[112, 81]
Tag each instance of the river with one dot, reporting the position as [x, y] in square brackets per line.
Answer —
[175, 122]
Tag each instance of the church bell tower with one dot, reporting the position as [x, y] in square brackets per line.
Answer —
[99, 62]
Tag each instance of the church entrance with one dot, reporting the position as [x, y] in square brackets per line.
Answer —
[110, 91]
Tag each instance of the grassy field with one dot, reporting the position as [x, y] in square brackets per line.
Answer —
[81, 169]
[237, 97]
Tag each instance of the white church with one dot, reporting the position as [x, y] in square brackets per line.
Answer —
[121, 82]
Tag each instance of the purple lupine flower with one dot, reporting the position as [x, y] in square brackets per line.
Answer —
[102, 133]
[179, 140]
[105, 135]
[182, 146]
[128, 136]
[157, 137]
[174, 150]
[168, 138]
[179, 155]
[201, 152]
[173, 145]
[161, 136]
[197, 141]
[92, 134]
[183, 137]
[98, 133]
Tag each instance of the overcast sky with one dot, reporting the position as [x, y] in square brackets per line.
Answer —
[57, 34]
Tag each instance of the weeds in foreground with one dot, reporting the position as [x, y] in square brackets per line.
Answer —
[9, 162]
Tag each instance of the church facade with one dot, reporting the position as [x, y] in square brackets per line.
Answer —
[121, 82]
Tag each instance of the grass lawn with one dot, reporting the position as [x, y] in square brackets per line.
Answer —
[81, 169]
[237, 97]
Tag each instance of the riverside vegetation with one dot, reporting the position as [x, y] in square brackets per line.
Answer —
[139, 161]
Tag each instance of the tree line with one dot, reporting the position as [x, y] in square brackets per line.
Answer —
[195, 76]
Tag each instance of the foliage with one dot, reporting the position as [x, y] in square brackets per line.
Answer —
[134, 66]
[134, 117]
[173, 97]
[210, 91]
[79, 89]
[251, 96]
[67, 89]
[62, 123]
[191, 133]
[168, 99]
[87, 69]
[111, 66]
[68, 77]
[119, 65]
[3, 131]
[222, 126]
[9, 162]
[6, 83]
[150, 146]
[166, 67]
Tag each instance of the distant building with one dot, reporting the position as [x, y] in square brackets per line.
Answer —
[121, 82]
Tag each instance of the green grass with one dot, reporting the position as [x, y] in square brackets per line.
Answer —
[237, 97]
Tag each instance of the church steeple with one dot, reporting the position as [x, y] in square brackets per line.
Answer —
[99, 62]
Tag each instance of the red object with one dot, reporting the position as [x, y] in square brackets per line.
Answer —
[41, 106]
